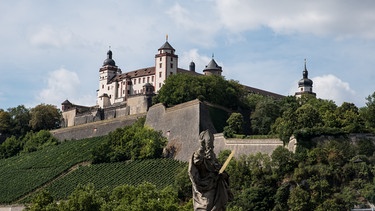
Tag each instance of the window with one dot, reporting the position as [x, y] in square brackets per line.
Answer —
[160, 65]
[102, 86]
[143, 80]
[159, 85]
[171, 65]
[159, 74]
[148, 79]
[135, 81]
[159, 58]
[171, 73]
[171, 58]
[108, 87]
[128, 92]
[139, 80]
[152, 78]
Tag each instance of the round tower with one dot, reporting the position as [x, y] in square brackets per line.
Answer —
[212, 68]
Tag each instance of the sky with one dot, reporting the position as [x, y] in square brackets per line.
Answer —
[52, 50]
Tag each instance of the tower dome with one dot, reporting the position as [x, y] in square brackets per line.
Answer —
[192, 66]
[305, 84]
[109, 60]
[305, 81]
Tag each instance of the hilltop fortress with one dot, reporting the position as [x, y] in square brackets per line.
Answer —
[129, 93]
[122, 97]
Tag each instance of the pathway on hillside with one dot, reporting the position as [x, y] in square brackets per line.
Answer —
[63, 174]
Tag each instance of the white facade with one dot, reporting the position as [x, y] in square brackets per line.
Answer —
[116, 87]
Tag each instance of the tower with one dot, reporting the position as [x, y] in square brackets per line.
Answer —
[107, 91]
[212, 68]
[305, 85]
[166, 62]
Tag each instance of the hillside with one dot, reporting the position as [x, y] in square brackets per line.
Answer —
[51, 168]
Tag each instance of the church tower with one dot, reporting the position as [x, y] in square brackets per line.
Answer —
[107, 90]
[166, 62]
[305, 85]
[212, 68]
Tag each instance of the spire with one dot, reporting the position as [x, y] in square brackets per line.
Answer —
[213, 55]
[305, 72]
[166, 37]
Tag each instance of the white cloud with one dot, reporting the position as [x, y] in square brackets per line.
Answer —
[48, 36]
[193, 55]
[340, 19]
[64, 84]
[333, 88]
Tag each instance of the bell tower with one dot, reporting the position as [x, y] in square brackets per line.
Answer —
[166, 62]
[305, 84]
[106, 91]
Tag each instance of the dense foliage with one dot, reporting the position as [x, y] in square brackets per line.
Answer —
[130, 143]
[334, 175]
[30, 142]
[126, 197]
[181, 88]
[19, 120]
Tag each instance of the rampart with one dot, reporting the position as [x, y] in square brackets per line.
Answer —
[182, 124]
[94, 129]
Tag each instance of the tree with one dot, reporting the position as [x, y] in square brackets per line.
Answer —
[285, 125]
[299, 199]
[44, 117]
[181, 88]
[368, 112]
[131, 143]
[264, 115]
[307, 117]
[5, 122]
[35, 141]
[41, 202]
[10, 147]
[20, 119]
[235, 125]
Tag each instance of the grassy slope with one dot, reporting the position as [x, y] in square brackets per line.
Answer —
[26, 173]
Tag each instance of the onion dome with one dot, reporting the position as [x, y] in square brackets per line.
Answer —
[305, 81]
[109, 60]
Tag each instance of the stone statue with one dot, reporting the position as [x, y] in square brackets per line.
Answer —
[210, 188]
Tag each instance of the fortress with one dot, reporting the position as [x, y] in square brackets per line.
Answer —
[122, 97]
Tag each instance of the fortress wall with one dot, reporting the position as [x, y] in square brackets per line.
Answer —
[68, 117]
[122, 111]
[137, 104]
[180, 124]
[94, 129]
[246, 146]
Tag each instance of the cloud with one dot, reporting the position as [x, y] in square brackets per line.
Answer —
[193, 55]
[333, 88]
[63, 84]
[48, 36]
[340, 19]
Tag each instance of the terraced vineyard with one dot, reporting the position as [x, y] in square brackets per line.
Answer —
[160, 172]
[22, 174]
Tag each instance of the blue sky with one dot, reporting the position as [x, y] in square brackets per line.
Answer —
[52, 50]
